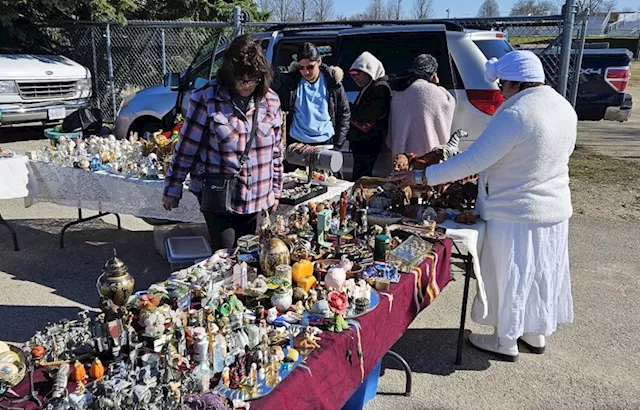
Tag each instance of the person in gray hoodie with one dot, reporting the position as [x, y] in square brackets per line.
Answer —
[369, 113]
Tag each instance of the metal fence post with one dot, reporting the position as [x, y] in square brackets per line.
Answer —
[96, 77]
[567, 39]
[112, 84]
[237, 22]
[575, 81]
[164, 53]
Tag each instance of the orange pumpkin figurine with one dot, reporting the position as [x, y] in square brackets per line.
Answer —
[97, 369]
[78, 372]
[38, 353]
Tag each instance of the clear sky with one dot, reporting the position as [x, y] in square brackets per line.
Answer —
[459, 8]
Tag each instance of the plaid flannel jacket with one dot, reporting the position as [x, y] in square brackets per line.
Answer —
[229, 129]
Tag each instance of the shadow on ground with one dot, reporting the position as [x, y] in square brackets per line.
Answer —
[433, 351]
[72, 272]
[16, 329]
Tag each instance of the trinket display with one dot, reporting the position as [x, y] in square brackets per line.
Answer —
[131, 157]
[226, 330]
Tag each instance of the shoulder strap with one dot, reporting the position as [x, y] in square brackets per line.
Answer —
[252, 136]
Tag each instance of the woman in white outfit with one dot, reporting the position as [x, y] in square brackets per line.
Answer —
[523, 161]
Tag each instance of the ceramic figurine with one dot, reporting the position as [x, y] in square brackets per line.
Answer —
[220, 353]
[343, 210]
[280, 226]
[225, 377]
[282, 299]
[272, 315]
[253, 374]
[335, 278]
[234, 378]
[115, 283]
[258, 287]
[60, 383]
[262, 375]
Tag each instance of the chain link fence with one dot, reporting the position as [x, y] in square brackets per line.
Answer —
[124, 59]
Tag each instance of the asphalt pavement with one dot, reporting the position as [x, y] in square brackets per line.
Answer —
[591, 364]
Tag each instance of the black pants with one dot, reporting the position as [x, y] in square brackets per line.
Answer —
[225, 230]
[365, 154]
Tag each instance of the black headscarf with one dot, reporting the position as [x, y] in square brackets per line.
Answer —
[423, 67]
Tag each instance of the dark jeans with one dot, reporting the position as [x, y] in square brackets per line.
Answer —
[225, 229]
[365, 154]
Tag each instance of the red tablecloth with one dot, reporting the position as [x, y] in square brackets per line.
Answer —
[334, 379]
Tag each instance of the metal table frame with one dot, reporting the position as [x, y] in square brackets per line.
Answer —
[13, 233]
[468, 265]
[81, 220]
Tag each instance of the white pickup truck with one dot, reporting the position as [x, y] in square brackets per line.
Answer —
[40, 88]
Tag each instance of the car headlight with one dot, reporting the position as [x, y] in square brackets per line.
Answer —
[84, 87]
[126, 100]
[8, 87]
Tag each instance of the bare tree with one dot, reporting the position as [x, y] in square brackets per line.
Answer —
[597, 6]
[323, 10]
[283, 11]
[422, 9]
[375, 11]
[531, 7]
[304, 10]
[489, 8]
[394, 10]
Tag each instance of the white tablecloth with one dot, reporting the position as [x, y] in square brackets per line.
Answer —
[101, 191]
[472, 236]
[16, 178]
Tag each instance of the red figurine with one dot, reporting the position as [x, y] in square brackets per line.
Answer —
[343, 209]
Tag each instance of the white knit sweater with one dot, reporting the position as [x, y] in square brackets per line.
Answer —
[523, 160]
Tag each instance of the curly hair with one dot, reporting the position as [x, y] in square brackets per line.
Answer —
[244, 57]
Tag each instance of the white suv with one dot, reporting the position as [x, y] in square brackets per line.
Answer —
[40, 87]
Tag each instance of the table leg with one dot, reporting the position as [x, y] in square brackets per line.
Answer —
[13, 233]
[407, 370]
[468, 261]
[81, 220]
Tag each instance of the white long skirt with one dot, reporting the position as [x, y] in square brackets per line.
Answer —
[525, 267]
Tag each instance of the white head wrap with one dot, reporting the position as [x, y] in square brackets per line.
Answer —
[521, 66]
[367, 63]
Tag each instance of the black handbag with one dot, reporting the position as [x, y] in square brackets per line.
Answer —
[219, 190]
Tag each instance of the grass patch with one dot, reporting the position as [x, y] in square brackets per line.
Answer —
[635, 75]
[587, 166]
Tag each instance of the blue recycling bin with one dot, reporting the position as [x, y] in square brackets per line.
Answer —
[367, 390]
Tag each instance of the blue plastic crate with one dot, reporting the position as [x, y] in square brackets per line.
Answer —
[367, 390]
[54, 136]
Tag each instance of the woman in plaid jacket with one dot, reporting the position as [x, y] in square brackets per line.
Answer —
[214, 136]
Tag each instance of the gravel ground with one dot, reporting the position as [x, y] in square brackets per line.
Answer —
[591, 364]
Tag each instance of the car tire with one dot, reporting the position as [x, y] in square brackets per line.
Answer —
[149, 126]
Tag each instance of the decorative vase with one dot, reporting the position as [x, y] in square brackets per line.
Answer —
[273, 252]
[282, 299]
[115, 283]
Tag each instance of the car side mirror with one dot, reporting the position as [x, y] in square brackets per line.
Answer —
[172, 81]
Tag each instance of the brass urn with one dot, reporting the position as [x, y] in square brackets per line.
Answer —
[115, 283]
[273, 252]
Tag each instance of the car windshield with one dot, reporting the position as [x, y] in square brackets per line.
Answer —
[494, 47]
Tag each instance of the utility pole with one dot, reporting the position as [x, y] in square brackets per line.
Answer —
[448, 13]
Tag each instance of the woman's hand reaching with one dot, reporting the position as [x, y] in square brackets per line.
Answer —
[169, 202]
